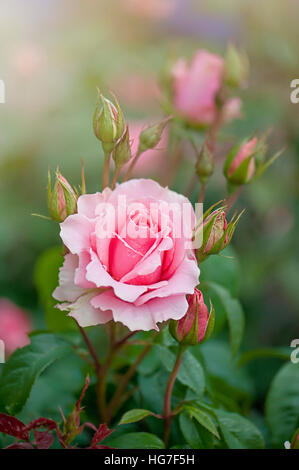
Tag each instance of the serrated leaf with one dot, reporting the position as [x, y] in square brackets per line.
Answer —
[238, 432]
[282, 404]
[202, 418]
[24, 366]
[135, 415]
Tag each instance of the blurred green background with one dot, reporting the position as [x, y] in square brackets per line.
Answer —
[54, 53]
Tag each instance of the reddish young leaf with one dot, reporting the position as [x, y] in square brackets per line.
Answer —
[14, 427]
[43, 440]
[102, 432]
[20, 445]
[41, 423]
[78, 404]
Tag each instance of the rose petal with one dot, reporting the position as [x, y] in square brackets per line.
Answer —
[85, 314]
[144, 317]
[75, 233]
[67, 290]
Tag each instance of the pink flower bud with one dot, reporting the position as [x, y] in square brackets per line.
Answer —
[193, 327]
[217, 231]
[14, 326]
[240, 166]
[197, 89]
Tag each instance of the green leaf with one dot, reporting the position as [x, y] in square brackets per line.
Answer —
[234, 313]
[229, 384]
[238, 432]
[133, 416]
[190, 373]
[223, 269]
[190, 431]
[135, 440]
[202, 418]
[282, 404]
[24, 366]
[261, 353]
[46, 280]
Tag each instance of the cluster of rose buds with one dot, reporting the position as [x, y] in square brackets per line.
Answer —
[197, 325]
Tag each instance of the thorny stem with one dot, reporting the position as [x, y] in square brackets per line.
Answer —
[168, 416]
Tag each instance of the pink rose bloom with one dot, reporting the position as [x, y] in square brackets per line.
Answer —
[244, 152]
[14, 326]
[196, 87]
[126, 261]
[153, 160]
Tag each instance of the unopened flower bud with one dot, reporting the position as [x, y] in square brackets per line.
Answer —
[236, 67]
[122, 150]
[62, 201]
[215, 232]
[151, 136]
[108, 122]
[204, 165]
[197, 324]
[240, 165]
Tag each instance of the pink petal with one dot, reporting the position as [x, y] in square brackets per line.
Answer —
[85, 314]
[144, 317]
[75, 233]
[96, 273]
[67, 290]
[183, 281]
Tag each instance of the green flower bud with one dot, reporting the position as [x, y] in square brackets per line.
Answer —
[236, 67]
[108, 122]
[122, 150]
[204, 165]
[62, 201]
[151, 136]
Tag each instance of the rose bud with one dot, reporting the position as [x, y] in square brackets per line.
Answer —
[62, 201]
[197, 325]
[151, 136]
[122, 151]
[236, 67]
[215, 231]
[14, 326]
[199, 91]
[108, 122]
[204, 165]
[240, 165]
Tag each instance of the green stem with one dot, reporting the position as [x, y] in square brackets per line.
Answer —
[168, 417]
[106, 170]
[131, 166]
